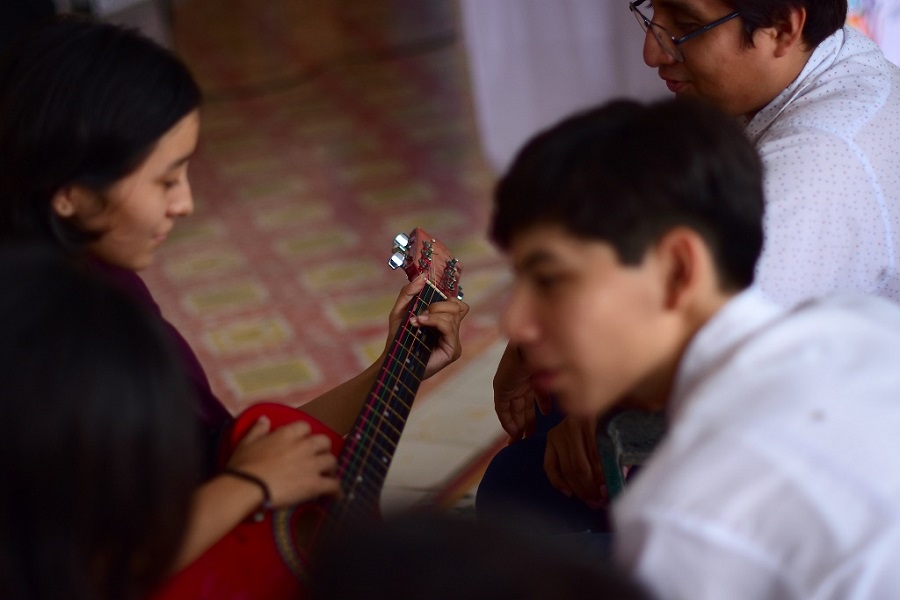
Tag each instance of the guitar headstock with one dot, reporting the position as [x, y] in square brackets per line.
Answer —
[419, 253]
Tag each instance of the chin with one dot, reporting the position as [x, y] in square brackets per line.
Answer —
[135, 264]
[143, 264]
[579, 405]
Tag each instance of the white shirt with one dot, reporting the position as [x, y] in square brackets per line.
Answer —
[830, 144]
[779, 475]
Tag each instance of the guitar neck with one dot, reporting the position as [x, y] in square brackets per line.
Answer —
[369, 447]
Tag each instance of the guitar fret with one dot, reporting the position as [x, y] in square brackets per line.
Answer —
[385, 417]
[373, 442]
[367, 484]
[397, 388]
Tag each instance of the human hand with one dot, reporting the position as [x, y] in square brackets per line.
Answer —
[514, 398]
[572, 462]
[446, 316]
[296, 465]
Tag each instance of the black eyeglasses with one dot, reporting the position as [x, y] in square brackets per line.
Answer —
[668, 42]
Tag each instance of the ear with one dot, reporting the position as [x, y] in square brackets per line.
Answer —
[788, 34]
[687, 268]
[73, 200]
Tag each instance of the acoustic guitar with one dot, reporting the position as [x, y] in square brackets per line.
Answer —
[266, 557]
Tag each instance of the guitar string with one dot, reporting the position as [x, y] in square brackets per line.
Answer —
[370, 485]
[358, 485]
[400, 384]
[363, 492]
[388, 382]
[390, 378]
[369, 435]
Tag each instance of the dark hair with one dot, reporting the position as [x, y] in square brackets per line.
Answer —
[81, 102]
[626, 173]
[823, 17]
[443, 557]
[98, 443]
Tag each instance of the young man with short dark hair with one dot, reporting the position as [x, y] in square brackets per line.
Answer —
[633, 232]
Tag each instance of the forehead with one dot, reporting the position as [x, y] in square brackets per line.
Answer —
[552, 245]
[178, 143]
[700, 9]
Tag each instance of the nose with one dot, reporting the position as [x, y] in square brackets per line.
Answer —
[654, 55]
[518, 320]
[182, 204]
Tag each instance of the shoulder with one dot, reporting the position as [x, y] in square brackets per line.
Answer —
[824, 349]
[773, 466]
[811, 392]
[126, 280]
[847, 85]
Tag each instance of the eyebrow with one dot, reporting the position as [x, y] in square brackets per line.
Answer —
[177, 163]
[682, 7]
[536, 259]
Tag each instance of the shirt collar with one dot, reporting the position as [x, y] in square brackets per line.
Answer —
[714, 343]
[822, 59]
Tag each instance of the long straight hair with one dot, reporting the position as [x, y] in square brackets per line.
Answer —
[99, 452]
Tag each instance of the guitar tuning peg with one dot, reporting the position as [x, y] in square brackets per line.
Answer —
[459, 293]
[397, 260]
[401, 242]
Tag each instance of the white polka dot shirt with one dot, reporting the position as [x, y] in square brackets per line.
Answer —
[830, 144]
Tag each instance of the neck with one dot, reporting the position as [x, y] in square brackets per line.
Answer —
[655, 392]
[788, 70]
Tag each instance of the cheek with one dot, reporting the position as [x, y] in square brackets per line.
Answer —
[611, 345]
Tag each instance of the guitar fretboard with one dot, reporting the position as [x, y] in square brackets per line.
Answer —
[369, 447]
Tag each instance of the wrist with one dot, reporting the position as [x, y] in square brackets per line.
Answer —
[259, 483]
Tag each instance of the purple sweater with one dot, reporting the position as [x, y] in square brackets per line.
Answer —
[210, 412]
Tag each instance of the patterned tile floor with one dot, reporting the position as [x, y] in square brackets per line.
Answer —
[329, 126]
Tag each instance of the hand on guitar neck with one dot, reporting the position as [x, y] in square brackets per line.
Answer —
[339, 407]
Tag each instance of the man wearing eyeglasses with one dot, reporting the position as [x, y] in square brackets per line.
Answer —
[822, 106]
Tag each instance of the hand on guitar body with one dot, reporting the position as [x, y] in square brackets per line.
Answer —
[296, 464]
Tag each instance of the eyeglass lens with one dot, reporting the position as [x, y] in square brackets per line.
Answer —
[661, 34]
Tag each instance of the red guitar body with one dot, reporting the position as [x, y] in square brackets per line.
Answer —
[248, 563]
[266, 556]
